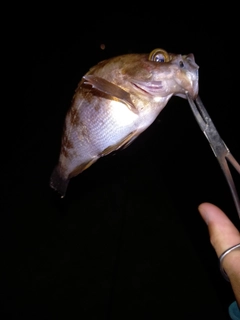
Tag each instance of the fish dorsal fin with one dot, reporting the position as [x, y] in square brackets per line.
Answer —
[110, 89]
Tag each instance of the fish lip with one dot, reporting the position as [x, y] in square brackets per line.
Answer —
[151, 88]
[191, 90]
[193, 94]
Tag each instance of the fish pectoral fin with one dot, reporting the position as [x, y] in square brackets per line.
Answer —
[110, 89]
[124, 143]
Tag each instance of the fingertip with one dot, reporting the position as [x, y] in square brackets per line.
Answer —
[203, 209]
[223, 233]
[210, 212]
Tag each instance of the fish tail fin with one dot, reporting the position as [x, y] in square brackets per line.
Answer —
[58, 183]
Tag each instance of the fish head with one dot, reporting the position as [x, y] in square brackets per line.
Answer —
[163, 74]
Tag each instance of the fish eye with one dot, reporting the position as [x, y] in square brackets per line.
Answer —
[159, 55]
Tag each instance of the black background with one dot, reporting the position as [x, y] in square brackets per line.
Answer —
[127, 240]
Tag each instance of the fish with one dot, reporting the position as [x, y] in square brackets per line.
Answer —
[114, 102]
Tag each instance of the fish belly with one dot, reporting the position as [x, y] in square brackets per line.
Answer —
[91, 131]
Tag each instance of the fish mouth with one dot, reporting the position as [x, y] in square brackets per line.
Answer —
[185, 94]
[189, 84]
[191, 90]
[152, 88]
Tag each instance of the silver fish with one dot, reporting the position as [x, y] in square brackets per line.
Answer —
[115, 102]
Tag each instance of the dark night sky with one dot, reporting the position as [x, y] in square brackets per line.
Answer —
[127, 239]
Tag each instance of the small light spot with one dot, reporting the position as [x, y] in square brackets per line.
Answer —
[102, 46]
